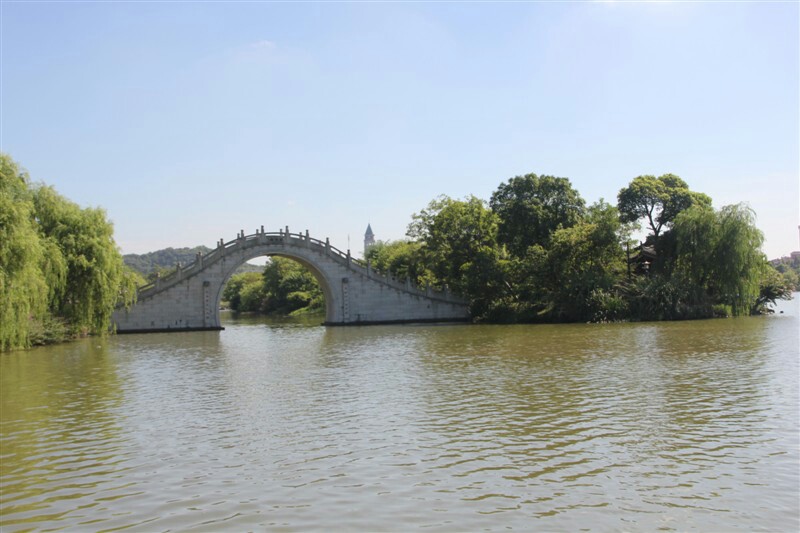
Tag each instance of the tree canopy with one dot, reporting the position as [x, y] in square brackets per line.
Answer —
[459, 247]
[23, 283]
[531, 208]
[657, 200]
[59, 264]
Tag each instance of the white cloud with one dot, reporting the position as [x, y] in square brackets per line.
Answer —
[263, 45]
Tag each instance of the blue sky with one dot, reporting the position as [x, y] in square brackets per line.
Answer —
[190, 121]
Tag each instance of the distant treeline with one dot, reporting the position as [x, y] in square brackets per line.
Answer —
[162, 263]
[61, 274]
[163, 260]
[789, 267]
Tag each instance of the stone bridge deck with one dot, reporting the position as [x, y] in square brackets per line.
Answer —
[189, 298]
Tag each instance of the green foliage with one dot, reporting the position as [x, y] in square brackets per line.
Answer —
[49, 330]
[718, 254]
[284, 287]
[399, 259]
[249, 283]
[791, 279]
[709, 264]
[23, 286]
[773, 286]
[583, 265]
[458, 239]
[531, 208]
[721, 311]
[289, 287]
[789, 268]
[539, 254]
[662, 298]
[658, 200]
[60, 270]
[94, 267]
[740, 262]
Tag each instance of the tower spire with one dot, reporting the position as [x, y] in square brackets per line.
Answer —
[369, 239]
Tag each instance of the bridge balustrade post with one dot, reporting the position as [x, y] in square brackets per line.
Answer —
[327, 246]
[308, 240]
[369, 268]
[349, 259]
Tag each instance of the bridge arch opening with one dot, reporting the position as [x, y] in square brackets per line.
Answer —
[288, 260]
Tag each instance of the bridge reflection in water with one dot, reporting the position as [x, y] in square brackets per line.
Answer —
[189, 298]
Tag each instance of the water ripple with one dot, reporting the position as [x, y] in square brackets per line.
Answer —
[684, 426]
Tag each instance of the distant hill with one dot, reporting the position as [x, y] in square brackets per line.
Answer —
[166, 259]
[161, 259]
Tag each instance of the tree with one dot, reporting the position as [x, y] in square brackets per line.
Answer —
[23, 287]
[400, 259]
[658, 200]
[452, 233]
[290, 287]
[60, 270]
[582, 267]
[531, 208]
[232, 293]
[773, 286]
[459, 247]
[738, 258]
[95, 272]
[718, 256]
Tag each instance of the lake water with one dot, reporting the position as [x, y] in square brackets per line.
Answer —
[689, 426]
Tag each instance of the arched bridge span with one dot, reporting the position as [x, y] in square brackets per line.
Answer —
[189, 298]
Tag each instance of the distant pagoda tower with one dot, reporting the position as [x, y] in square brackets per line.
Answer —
[369, 239]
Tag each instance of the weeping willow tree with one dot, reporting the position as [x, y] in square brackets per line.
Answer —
[94, 267]
[738, 257]
[59, 264]
[719, 256]
[23, 287]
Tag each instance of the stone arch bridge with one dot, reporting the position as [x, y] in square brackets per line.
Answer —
[189, 298]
